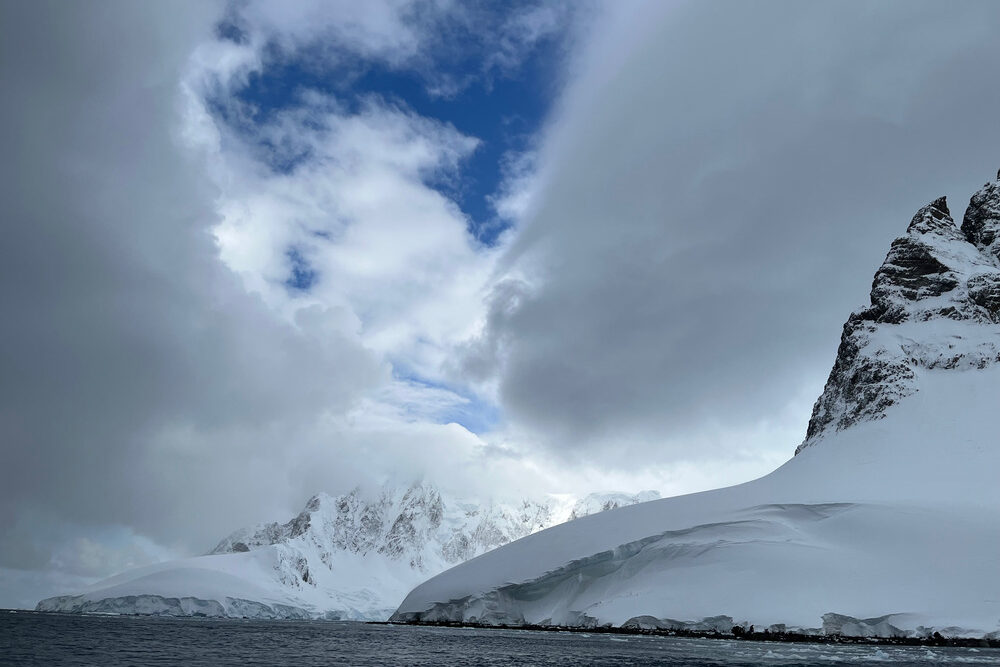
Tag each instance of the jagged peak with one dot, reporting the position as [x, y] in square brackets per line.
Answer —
[317, 500]
[934, 218]
[934, 272]
[324, 502]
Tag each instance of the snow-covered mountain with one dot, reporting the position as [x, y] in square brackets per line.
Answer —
[934, 304]
[886, 522]
[351, 556]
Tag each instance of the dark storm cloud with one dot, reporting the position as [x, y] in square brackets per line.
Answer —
[721, 184]
[134, 368]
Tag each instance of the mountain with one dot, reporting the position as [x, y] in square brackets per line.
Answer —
[886, 522]
[934, 302]
[351, 556]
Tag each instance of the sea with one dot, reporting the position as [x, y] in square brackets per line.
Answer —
[31, 638]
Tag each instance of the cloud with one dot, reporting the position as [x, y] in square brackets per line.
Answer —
[157, 371]
[124, 332]
[341, 207]
[212, 312]
[719, 184]
[449, 45]
[373, 30]
[519, 187]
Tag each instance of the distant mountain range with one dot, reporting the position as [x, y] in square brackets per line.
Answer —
[352, 556]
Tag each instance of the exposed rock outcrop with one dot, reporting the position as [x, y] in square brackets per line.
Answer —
[937, 271]
[981, 224]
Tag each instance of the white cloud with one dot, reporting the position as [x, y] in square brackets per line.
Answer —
[522, 31]
[391, 254]
[372, 30]
[514, 199]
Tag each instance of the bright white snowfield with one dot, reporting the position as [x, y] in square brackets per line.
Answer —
[345, 557]
[887, 521]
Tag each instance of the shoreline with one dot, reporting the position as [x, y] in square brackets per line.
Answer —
[763, 636]
[935, 640]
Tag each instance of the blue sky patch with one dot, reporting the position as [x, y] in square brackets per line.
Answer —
[468, 410]
[504, 110]
[302, 276]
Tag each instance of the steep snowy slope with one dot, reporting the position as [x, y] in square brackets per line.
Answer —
[349, 556]
[886, 522]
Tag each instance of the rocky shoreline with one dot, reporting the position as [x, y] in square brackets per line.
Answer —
[736, 633]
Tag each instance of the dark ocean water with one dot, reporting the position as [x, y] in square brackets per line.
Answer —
[51, 639]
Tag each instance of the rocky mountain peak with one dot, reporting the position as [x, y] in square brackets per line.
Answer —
[935, 272]
[935, 218]
[318, 501]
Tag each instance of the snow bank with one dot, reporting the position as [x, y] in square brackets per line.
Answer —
[899, 516]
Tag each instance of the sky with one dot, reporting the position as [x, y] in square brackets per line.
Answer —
[253, 250]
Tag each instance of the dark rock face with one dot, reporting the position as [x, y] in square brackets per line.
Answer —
[984, 290]
[913, 269]
[860, 387]
[935, 272]
[981, 224]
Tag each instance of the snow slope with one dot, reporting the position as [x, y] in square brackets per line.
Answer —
[345, 557]
[886, 522]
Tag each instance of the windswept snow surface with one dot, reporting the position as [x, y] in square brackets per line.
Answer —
[886, 522]
[346, 557]
[898, 516]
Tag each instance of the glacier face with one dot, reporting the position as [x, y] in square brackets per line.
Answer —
[886, 522]
[352, 556]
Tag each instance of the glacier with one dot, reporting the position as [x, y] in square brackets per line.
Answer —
[886, 522]
[347, 557]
